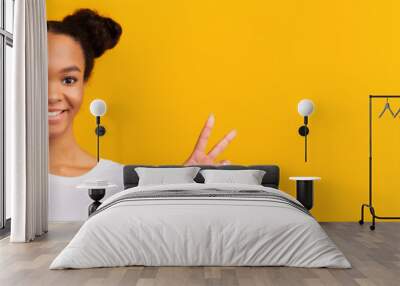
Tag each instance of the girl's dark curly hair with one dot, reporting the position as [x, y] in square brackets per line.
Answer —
[93, 32]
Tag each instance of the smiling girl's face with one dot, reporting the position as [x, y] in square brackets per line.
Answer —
[66, 65]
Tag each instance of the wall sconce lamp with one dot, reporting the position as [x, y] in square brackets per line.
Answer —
[98, 108]
[305, 108]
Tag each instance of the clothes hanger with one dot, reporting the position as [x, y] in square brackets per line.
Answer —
[387, 107]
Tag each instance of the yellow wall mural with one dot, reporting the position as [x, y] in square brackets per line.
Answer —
[249, 63]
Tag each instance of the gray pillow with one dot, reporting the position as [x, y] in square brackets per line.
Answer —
[163, 176]
[248, 177]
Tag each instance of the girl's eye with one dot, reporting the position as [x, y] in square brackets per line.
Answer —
[69, 80]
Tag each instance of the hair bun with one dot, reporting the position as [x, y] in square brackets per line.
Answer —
[100, 33]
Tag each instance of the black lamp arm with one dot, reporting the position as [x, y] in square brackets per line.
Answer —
[100, 131]
[303, 131]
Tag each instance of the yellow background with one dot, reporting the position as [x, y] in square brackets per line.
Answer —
[249, 63]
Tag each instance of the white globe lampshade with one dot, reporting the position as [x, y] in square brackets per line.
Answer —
[305, 107]
[98, 107]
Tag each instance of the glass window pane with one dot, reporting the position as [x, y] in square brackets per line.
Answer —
[8, 86]
[1, 14]
[9, 15]
[2, 203]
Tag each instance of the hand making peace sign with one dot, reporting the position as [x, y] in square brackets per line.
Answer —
[199, 155]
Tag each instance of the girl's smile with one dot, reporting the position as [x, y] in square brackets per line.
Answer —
[56, 116]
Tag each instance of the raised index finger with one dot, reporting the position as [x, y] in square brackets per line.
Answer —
[201, 143]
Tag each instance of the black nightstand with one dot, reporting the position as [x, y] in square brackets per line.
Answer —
[305, 190]
[96, 190]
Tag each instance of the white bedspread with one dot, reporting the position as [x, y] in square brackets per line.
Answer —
[200, 231]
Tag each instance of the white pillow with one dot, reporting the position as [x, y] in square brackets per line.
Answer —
[248, 177]
[163, 176]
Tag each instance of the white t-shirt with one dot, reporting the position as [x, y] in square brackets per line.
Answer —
[67, 203]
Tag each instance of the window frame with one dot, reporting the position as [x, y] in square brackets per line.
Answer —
[6, 39]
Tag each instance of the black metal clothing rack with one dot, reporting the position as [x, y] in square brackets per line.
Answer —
[370, 204]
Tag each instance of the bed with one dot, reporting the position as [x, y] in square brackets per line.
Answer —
[198, 224]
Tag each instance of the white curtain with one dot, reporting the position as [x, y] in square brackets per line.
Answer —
[26, 123]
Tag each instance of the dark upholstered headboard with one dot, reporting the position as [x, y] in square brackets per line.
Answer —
[270, 179]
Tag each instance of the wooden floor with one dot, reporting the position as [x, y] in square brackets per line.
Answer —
[375, 257]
